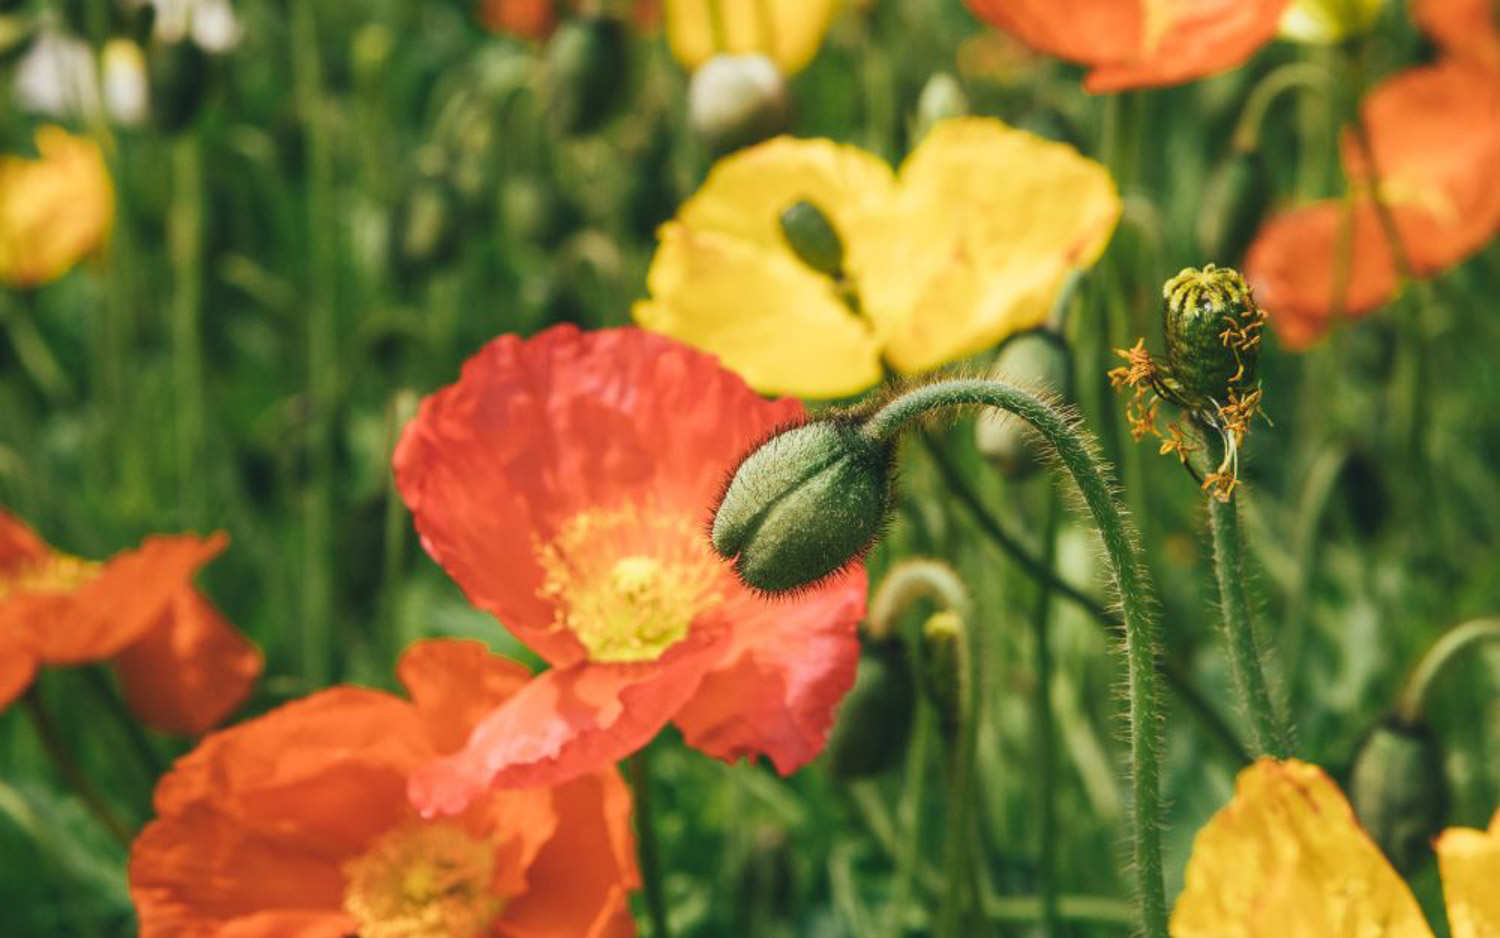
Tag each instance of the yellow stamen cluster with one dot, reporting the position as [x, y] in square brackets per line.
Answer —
[628, 582]
[423, 880]
[58, 573]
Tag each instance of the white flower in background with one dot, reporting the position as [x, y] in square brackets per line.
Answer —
[124, 83]
[57, 77]
[211, 24]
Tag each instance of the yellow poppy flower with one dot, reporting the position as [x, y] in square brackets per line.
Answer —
[1287, 859]
[54, 210]
[968, 244]
[788, 32]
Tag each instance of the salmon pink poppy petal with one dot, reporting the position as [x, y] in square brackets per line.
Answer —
[1293, 265]
[778, 691]
[454, 684]
[1467, 29]
[580, 882]
[116, 608]
[538, 431]
[191, 670]
[19, 545]
[568, 722]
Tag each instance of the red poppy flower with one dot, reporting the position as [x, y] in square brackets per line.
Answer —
[183, 668]
[1435, 136]
[1139, 43]
[297, 824]
[565, 483]
[535, 19]
[1466, 29]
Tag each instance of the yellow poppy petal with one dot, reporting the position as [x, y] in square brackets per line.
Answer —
[746, 192]
[1286, 859]
[54, 210]
[782, 327]
[1470, 864]
[786, 31]
[986, 223]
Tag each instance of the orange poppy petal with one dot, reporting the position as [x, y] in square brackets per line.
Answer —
[1198, 38]
[17, 665]
[282, 924]
[1076, 30]
[118, 606]
[1464, 28]
[791, 665]
[454, 684]
[19, 545]
[579, 884]
[537, 431]
[191, 670]
[1470, 865]
[532, 19]
[1293, 266]
[567, 722]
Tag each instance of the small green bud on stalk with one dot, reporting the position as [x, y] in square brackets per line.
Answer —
[942, 97]
[804, 504]
[875, 719]
[1399, 791]
[1036, 360]
[1204, 311]
[737, 100]
[812, 237]
[944, 666]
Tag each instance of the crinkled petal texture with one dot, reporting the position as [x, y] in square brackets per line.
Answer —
[258, 828]
[724, 280]
[1435, 135]
[986, 223]
[540, 433]
[1470, 864]
[1287, 859]
[1139, 43]
[54, 210]
[1465, 29]
[788, 32]
[969, 246]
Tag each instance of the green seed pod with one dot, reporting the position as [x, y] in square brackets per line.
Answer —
[586, 72]
[1212, 334]
[1399, 791]
[812, 237]
[804, 504]
[943, 668]
[737, 100]
[874, 722]
[1037, 361]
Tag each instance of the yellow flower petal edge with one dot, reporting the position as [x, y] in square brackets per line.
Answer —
[1287, 859]
[987, 222]
[746, 192]
[54, 210]
[780, 326]
[1470, 864]
[788, 32]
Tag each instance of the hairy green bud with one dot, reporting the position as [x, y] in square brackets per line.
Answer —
[875, 719]
[943, 666]
[1037, 361]
[804, 504]
[812, 237]
[1212, 328]
[1399, 791]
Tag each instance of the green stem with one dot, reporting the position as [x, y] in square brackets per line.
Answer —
[959, 766]
[1215, 724]
[1268, 735]
[68, 768]
[1074, 450]
[1409, 705]
[32, 351]
[650, 850]
[185, 248]
[1041, 704]
[146, 753]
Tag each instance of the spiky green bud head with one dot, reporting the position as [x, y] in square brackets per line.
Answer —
[812, 237]
[1212, 333]
[803, 505]
[874, 722]
[1399, 791]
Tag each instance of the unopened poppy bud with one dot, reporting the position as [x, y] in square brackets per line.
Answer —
[943, 668]
[874, 722]
[1037, 361]
[941, 98]
[737, 100]
[812, 237]
[1212, 333]
[123, 82]
[1398, 789]
[426, 231]
[586, 72]
[807, 502]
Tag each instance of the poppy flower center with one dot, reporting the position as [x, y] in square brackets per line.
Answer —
[628, 583]
[423, 881]
[58, 573]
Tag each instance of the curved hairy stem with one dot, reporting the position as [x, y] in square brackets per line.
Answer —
[1073, 450]
[1413, 696]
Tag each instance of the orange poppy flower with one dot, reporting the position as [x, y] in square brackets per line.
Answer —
[296, 823]
[535, 19]
[1466, 29]
[565, 482]
[1139, 43]
[1435, 136]
[182, 667]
